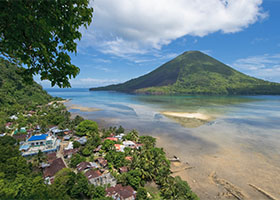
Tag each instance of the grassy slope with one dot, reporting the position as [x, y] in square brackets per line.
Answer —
[15, 93]
[195, 73]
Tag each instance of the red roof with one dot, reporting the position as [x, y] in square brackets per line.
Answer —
[121, 192]
[54, 167]
[92, 174]
[83, 166]
[129, 158]
[70, 152]
[51, 156]
[123, 169]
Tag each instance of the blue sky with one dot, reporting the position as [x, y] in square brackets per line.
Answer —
[129, 38]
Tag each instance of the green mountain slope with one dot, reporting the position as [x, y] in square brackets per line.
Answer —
[195, 73]
[15, 94]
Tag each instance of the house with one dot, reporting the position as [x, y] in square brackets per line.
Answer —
[129, 144]
[120, 136]
[119, 147]
[123, 169]
[96, 178]
[50, 171]
[43, 142]
[86, 165]
[120, 192]
[66, 138]
[14, 117]
[67, 153]
[82, 140]
[102, 162]
[20, 131]
[51, 157]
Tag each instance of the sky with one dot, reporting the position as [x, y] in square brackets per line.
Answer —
[129, 38]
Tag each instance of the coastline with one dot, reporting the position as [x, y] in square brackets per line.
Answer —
[71, 106]
[213, 172]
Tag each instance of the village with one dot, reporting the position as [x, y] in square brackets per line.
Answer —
[116, 163]
[59, 151]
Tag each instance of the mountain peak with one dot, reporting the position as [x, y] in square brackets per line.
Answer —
[194, 72]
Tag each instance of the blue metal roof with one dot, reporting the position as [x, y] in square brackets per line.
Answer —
[24, 147]
[38, 137]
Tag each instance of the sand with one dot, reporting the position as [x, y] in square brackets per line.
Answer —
[83, 108]
[200, 116]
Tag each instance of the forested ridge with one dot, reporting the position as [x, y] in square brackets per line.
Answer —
[15, 92]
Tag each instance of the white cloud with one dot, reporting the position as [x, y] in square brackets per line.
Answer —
[122, 27]
[81, 82]
[264, 66]
[92, 82]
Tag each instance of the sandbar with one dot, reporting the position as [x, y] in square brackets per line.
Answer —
[200, 116]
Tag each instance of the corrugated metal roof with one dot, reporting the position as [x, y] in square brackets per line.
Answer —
[38, 137]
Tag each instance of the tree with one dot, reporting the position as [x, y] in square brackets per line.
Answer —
[133, 178]
[120, 130]
[97, 192]
[108, 145]
[76, 159]
[41, 34]
[148, 141]
[141, 194]
[176, 188]
[87, 127]
[133, 136]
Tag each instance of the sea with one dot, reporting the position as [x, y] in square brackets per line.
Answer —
[240, 143]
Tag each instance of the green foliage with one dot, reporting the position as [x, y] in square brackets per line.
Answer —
[108, 145]
[15, 94]
[16, 180]
[98, 192]
[117, 159]
[76, 144]
[41, 34]
[148, 141]
[76, 159]
[133, 136]
[120, 130]
[68, 185]
[87, 127]
[176, 188]
[196, 73]
[134, 178]
[142, 194]
[77, 120]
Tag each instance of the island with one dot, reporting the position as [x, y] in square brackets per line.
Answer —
[194, 72]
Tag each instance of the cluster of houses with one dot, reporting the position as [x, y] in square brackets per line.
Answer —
[51, 142]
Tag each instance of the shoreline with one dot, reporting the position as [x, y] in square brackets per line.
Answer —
[71, 106]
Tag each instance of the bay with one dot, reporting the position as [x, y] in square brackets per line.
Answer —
[240, 143]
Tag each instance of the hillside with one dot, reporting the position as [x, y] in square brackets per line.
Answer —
[15, 94]
[195, 73]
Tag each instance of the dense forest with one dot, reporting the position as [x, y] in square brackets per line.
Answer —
[15, 91]
[195, 73]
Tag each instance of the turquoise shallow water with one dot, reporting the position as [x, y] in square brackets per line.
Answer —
[241, 143]
[257, 116]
